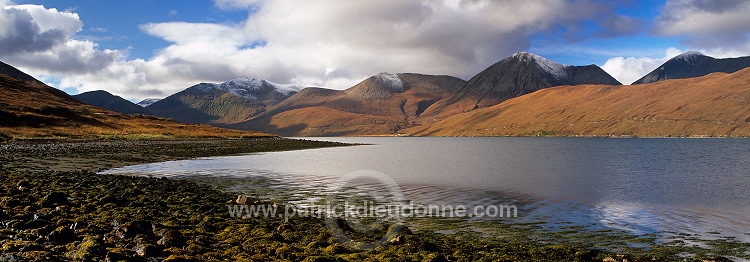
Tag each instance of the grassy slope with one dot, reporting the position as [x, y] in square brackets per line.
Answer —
[30, 111]
[713, 105]
[341, 115]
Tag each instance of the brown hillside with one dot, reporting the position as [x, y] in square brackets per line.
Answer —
[38, 111]
[713, 105]
[374, 106]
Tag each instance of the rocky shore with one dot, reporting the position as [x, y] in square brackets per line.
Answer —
[50, 215]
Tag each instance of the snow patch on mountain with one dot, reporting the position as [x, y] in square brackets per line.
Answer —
[248, 87]
[148, 101]
[392, 81]
[286, 89]
[556, 69]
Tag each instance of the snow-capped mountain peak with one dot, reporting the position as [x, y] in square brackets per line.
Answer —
[688, 56]
[549, 66]
[249, 87]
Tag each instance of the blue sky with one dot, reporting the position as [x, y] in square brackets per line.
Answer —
[116, 24]
[153, 48]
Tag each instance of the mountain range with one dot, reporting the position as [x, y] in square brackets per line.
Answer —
[30, 109]
[388, 103]
[382, 104]
[505, 95]
[717, 104]
[385, 103]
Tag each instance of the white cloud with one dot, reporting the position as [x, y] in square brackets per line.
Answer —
[313, 43]
[628, 70]
[185, 33]
[70, 58]
[233, 4]
[689, 17]
[32, 28]
[722, 27]
[433, 37]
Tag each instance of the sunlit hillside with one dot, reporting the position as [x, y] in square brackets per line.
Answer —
[713, 105]
[35, 111]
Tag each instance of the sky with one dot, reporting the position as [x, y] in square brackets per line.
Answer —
[153, 48]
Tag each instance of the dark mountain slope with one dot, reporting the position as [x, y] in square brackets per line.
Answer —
[514, 76]
[109, 101]
[11, 71]
[693, 64]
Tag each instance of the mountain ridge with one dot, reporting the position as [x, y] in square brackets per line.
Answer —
[395, 103]
[37, 111]
[221, 104]
[381, 104]
[693, 64]
[387, 103]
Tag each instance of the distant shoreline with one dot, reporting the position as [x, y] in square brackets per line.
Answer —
[561, 136]
[94, 156]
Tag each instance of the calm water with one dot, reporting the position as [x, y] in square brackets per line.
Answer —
[689, 186]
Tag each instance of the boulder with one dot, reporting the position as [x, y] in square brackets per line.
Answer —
[132, 229]
[147, 250]
[55, 199]
[243, 200]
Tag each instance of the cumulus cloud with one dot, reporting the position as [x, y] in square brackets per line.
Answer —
[41, 40]
[327, 43]
[434, 37]
[32, 28]
[720, 26]
[71, 57]
[628, 70]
